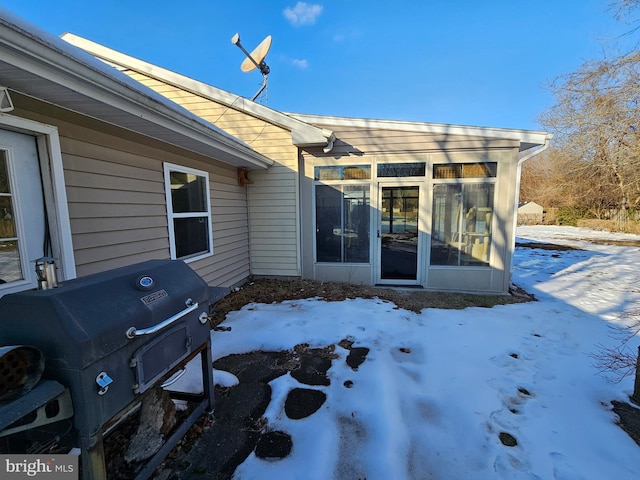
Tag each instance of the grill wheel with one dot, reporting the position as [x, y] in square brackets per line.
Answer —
[13, 371]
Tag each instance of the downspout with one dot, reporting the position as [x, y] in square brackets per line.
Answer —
[516, 199]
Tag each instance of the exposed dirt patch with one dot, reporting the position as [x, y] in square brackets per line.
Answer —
[507, 439]
[629, 419]
[356, 357]
[273, 290]
[274, 445]
[547, 246]
[596, 241]
[303, 402]
[613, 242]
[313, 364]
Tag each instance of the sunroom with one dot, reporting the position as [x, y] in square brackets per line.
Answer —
[413, 204]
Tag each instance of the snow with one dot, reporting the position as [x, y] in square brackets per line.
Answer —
[438, 388]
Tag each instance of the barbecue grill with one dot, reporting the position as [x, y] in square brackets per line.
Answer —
[110, 337]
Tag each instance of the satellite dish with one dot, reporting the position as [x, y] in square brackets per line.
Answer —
[255, 59]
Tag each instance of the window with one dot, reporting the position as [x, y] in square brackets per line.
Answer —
[10, 265]
[401, 169]
[348, 172]
[189, 212]
[461, 224]
[342, 223]
[465, 170]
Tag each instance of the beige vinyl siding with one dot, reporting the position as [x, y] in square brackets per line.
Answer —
[273, 216]
[100, 188]
[273, 197]
[116, 199]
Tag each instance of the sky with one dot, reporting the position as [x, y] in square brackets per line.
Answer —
[461, 62]
[438, 388]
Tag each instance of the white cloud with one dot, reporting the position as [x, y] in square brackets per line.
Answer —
[300, 63]
[302, 14]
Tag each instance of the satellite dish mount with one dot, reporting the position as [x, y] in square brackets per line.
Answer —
[255, 59]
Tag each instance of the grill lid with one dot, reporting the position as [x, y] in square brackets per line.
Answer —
[86, 319]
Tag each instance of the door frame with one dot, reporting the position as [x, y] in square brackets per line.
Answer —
[55, 197]
[400, 182]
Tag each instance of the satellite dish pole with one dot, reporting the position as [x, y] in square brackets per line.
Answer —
[255, 59]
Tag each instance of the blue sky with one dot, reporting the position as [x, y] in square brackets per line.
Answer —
[464, 62]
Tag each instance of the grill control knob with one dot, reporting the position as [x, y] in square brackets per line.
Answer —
[103, 380]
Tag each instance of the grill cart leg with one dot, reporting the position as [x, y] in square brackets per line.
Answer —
[92, 458]
[207, 377]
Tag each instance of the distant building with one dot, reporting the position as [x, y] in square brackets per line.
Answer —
[530, 213]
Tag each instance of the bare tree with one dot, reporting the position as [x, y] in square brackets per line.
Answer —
[544, 180]
[623, 10]
[596, 120]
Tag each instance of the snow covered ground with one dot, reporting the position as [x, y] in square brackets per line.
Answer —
[438, 389]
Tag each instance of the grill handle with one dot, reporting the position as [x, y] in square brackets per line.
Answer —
[133, 332]
[174, 378]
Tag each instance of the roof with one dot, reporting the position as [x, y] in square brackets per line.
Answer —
[528, 138]
[302, 133]
[533, 205]
[307, 130]
[38, 64]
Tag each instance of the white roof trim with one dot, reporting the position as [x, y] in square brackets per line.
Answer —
[528, 138]
[302, 134]
[56, 72]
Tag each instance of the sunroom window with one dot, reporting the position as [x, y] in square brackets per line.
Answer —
[189, 212]
[342, 223]
[461, 224]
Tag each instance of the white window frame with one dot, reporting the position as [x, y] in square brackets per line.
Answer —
[172, 167]
[342, 183]
[467, 181]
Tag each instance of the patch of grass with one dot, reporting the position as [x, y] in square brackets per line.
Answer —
[630, 226]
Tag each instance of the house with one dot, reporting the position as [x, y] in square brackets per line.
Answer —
[99, 171]
[320, 211]
[530, 213]
[362, 200]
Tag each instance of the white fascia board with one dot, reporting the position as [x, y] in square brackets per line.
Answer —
[302, 134]
[47, 57]
[531, 138]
